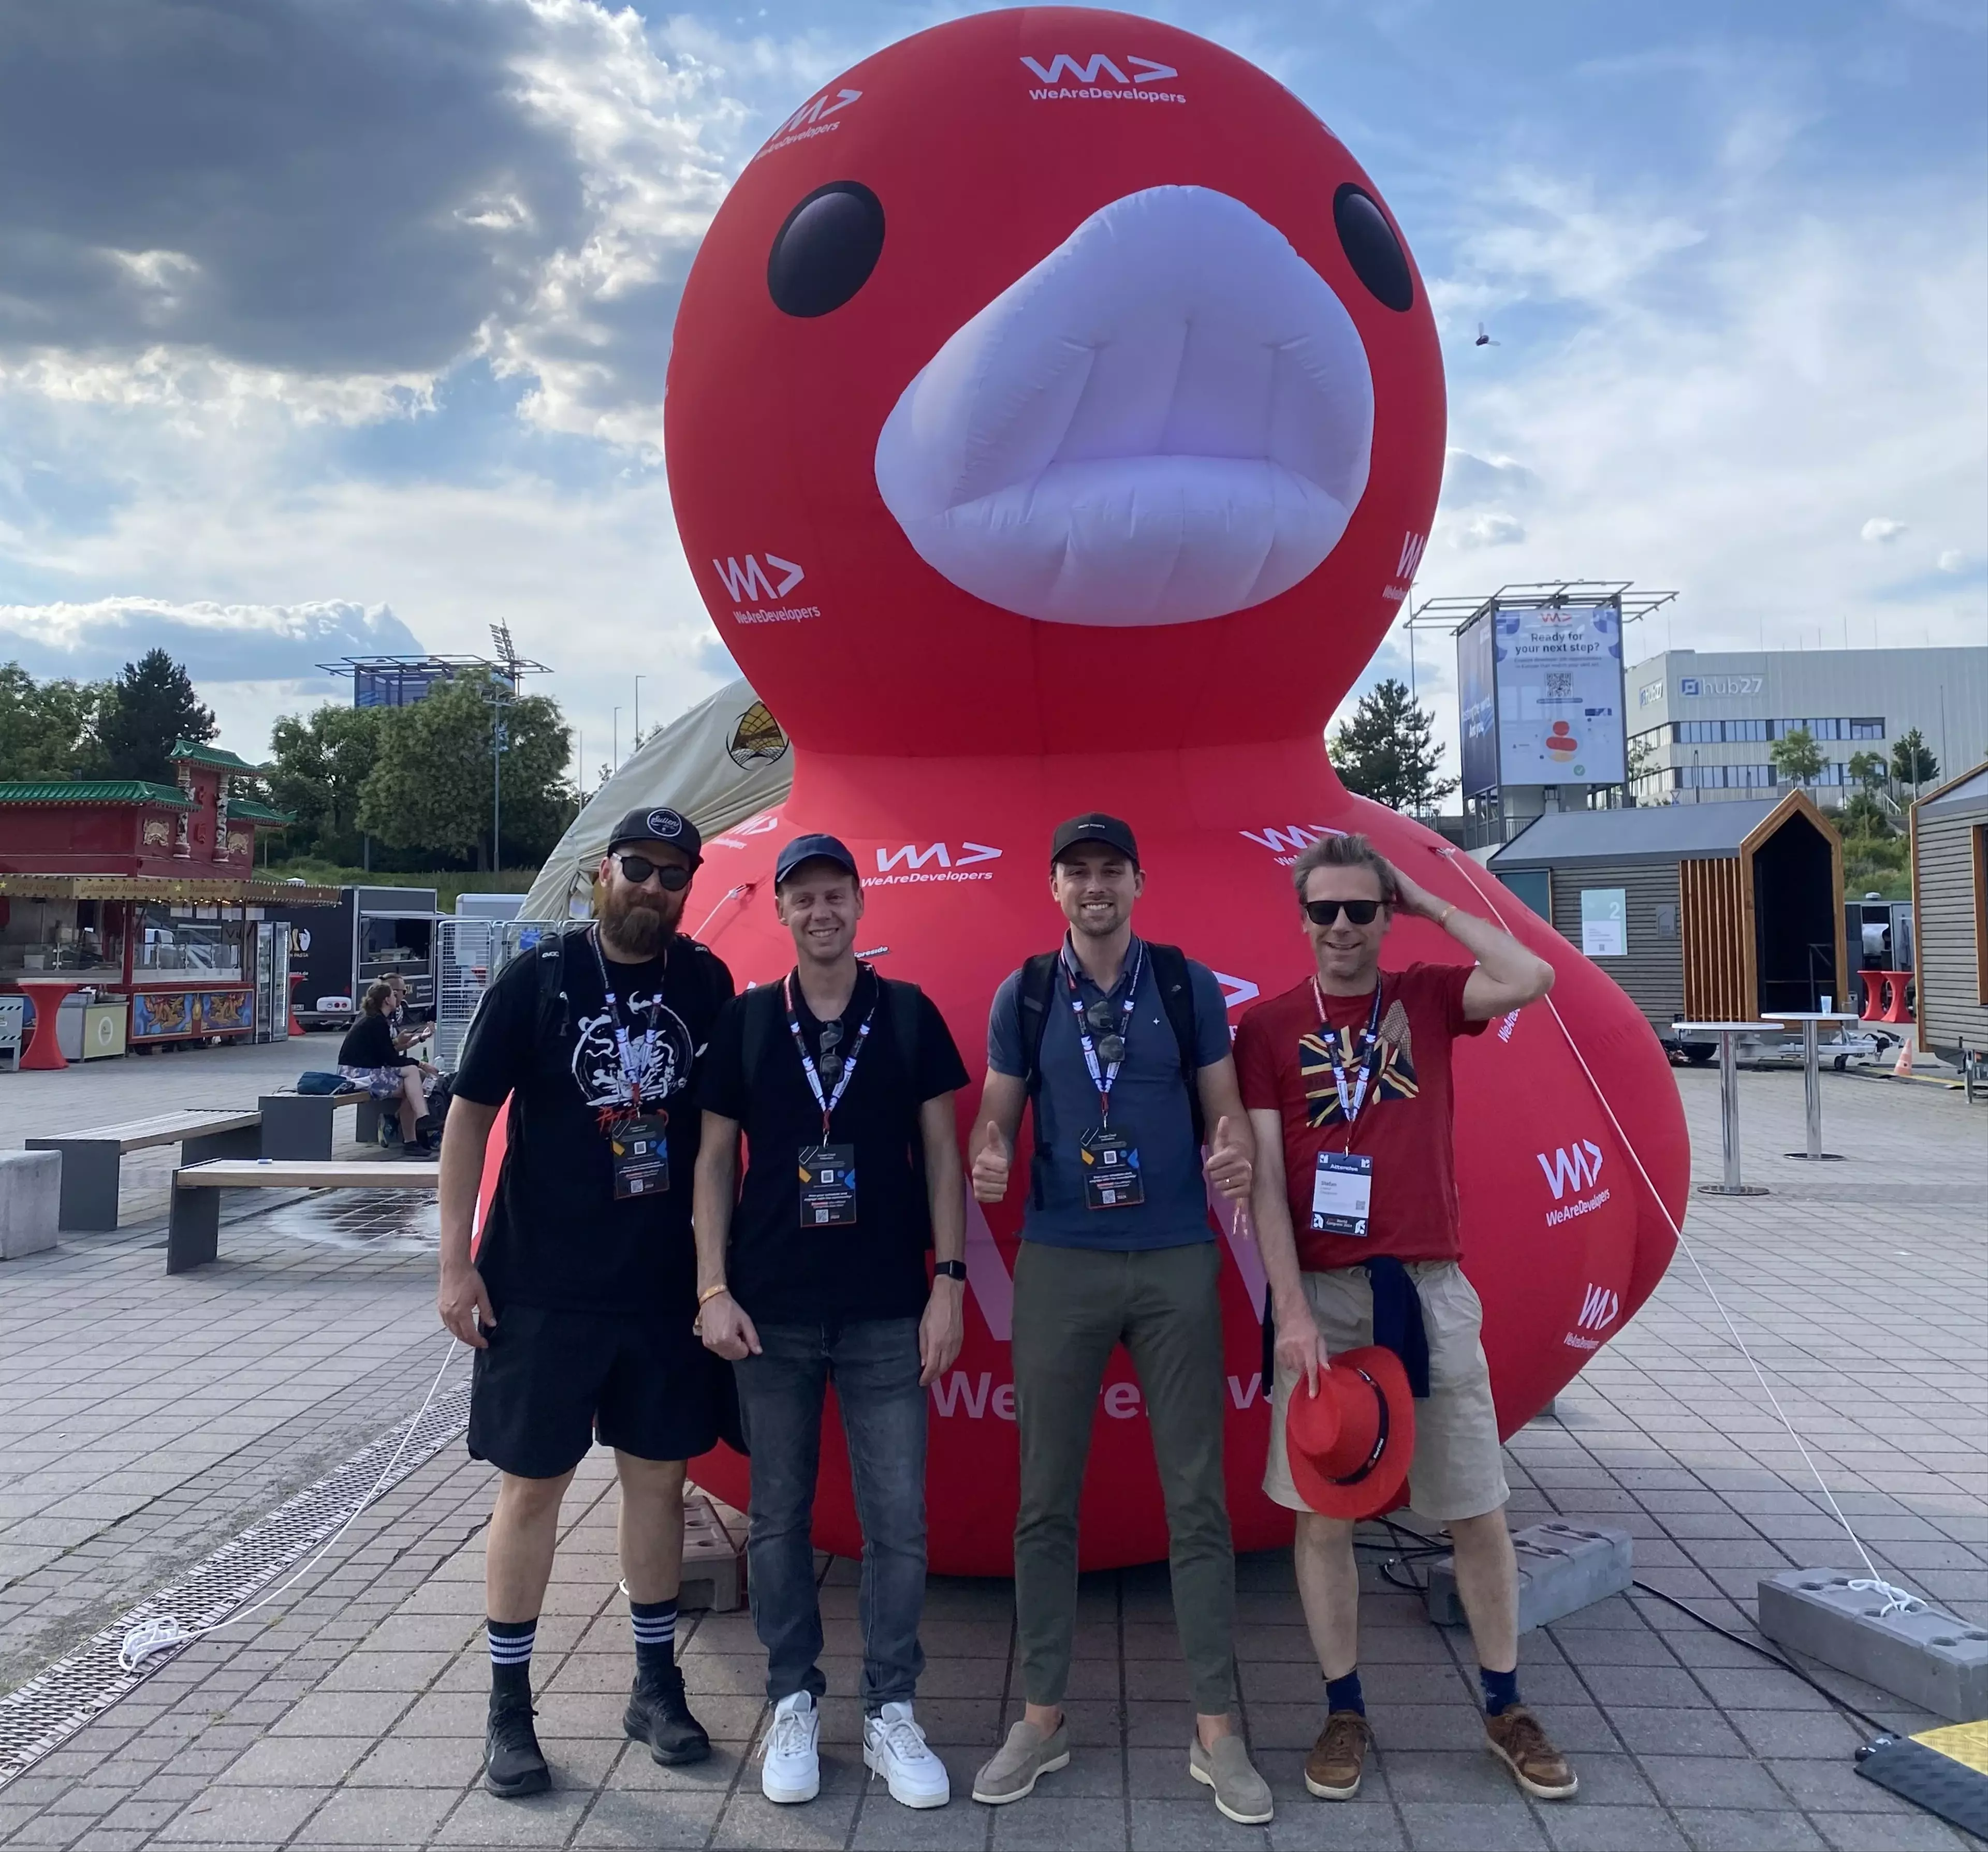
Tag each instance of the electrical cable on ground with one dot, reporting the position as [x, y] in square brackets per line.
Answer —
[162, 1633]
[1897, 1600]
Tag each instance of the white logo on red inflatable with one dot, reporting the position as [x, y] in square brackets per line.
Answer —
[1288, 841]
[752, 584]
[1144, 70]
[1573, 1166]
[907, 865]
[810, 119]
[1600, 1308]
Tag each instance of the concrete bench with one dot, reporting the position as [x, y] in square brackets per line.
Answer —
[193, 1236]
[298, 1126]
[93, 1161]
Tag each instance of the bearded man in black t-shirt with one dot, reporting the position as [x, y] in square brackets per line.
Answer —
[581, 1296]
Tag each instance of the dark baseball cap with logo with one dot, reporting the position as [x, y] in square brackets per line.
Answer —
[1095, 826]
[660, 824]
[812, 849]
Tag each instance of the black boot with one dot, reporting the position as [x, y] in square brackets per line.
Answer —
[513, 1765]
[658, 1715]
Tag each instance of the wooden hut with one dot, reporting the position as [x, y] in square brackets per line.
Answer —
[1950, 913]
[1723, 912]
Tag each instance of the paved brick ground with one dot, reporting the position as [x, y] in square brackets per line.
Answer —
[352, 1718]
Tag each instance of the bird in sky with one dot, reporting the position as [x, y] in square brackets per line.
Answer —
[1484, 339]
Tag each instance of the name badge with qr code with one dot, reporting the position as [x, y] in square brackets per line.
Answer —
[828, 1186]
[1111, 1179]
[639, 1150]
[1342, 1194]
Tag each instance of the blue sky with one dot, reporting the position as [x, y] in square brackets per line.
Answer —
[325, 327]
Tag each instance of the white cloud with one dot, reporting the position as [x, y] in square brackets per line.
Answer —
[1881, 530]
[1951, 560]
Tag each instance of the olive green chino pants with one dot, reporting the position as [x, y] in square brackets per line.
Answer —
[1072, 1305]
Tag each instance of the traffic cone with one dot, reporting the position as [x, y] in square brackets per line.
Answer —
[1903, 1071]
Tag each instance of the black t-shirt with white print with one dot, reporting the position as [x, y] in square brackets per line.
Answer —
[555, 1236]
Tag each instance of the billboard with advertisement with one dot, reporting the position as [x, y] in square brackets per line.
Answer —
[1477, 693]
[1559, 674]
[1553, 672]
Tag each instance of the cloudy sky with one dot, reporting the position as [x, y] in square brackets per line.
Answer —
[332, 324]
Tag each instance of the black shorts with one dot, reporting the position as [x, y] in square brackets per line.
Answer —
[551, 1382]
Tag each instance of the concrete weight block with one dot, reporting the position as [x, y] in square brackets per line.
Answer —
[30, 1202]
[714, 1557]
[1562, 1567]
[1932, 1660]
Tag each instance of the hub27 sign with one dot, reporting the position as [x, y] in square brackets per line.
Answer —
[1542, 695]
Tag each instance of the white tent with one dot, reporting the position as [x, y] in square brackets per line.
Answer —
[724, 761]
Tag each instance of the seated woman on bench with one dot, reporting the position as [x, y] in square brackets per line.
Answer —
[370, 1055]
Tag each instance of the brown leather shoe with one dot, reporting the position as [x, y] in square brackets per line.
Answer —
[1516, 1739]
[1332, 1769]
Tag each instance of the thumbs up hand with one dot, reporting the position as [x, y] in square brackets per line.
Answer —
[990, 1166]
[1228, 1168]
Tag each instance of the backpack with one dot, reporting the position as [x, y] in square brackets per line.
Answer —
[1037, 992]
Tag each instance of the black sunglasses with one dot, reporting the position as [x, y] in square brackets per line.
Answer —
[1358, 913]
[829, 1061]
[672, 878]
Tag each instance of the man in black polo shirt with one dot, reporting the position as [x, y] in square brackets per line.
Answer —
[580, 1300]
[814, 1271]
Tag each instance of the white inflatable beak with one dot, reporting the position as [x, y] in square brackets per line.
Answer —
[1169, 418]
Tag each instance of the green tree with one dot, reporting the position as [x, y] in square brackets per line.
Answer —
[1863, 816]
[48, 729]
[151, 705]
[1385, 751]
[430, 788]
[321, 761]
[1797, 756]
[1868, 769]
[1912, 762]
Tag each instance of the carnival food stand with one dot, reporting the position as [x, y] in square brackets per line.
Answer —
[140, 900]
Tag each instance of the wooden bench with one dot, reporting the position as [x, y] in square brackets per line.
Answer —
[298, 1126]
[193, 1236]
[92, 1161]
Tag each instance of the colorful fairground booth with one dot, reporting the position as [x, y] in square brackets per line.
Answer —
[131, 916]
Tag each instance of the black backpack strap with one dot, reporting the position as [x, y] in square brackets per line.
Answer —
[902, 1005]
[1034, 996]
[763, 1008]
[549, 956]
[1171, 973]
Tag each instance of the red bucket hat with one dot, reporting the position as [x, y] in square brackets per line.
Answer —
[1350, 1445]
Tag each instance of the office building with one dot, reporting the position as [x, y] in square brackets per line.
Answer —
[1701, 723]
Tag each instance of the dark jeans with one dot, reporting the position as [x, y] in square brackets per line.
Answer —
[874, 1363]
[1072, 1306]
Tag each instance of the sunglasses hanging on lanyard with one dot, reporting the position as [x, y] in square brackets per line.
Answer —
[1111, 1176]
[827, 1170]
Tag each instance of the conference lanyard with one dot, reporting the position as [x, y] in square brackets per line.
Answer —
[1102, 1078]
[1369, 1058]
[633, 1066]
[827, 1102]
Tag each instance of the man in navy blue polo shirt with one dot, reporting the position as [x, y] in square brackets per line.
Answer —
[1122, 1048]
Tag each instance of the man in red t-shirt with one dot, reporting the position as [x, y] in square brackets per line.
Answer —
[1347, 1081]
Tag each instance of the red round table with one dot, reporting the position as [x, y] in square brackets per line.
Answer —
[43, 1049]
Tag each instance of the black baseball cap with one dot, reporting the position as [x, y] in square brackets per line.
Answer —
[812, 849]
[659, 825]
[1095, 826]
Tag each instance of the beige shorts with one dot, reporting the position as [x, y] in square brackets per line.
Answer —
[1459, 1470]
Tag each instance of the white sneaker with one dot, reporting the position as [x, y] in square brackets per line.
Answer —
[894, 1747]
[790, 1769]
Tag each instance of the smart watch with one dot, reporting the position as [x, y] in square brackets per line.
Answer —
[951, 1269]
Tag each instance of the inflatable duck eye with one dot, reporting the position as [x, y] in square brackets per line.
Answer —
[825, 250]
[1372, 249]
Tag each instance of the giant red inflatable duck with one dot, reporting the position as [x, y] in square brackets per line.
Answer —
[1054, 423]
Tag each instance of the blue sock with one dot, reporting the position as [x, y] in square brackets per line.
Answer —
[655, 1623]
[511, 1658]
[1501, 1690]
[1344, 1694]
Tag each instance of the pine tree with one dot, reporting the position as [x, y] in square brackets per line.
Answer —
[1797, 756]
[152, 704]
[1912, 762]
[1386, 751]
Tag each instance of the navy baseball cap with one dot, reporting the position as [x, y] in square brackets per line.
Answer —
[659, 825]
[812, 849]
[1095, 826]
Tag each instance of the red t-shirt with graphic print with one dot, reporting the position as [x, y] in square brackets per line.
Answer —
[1282, 1063]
